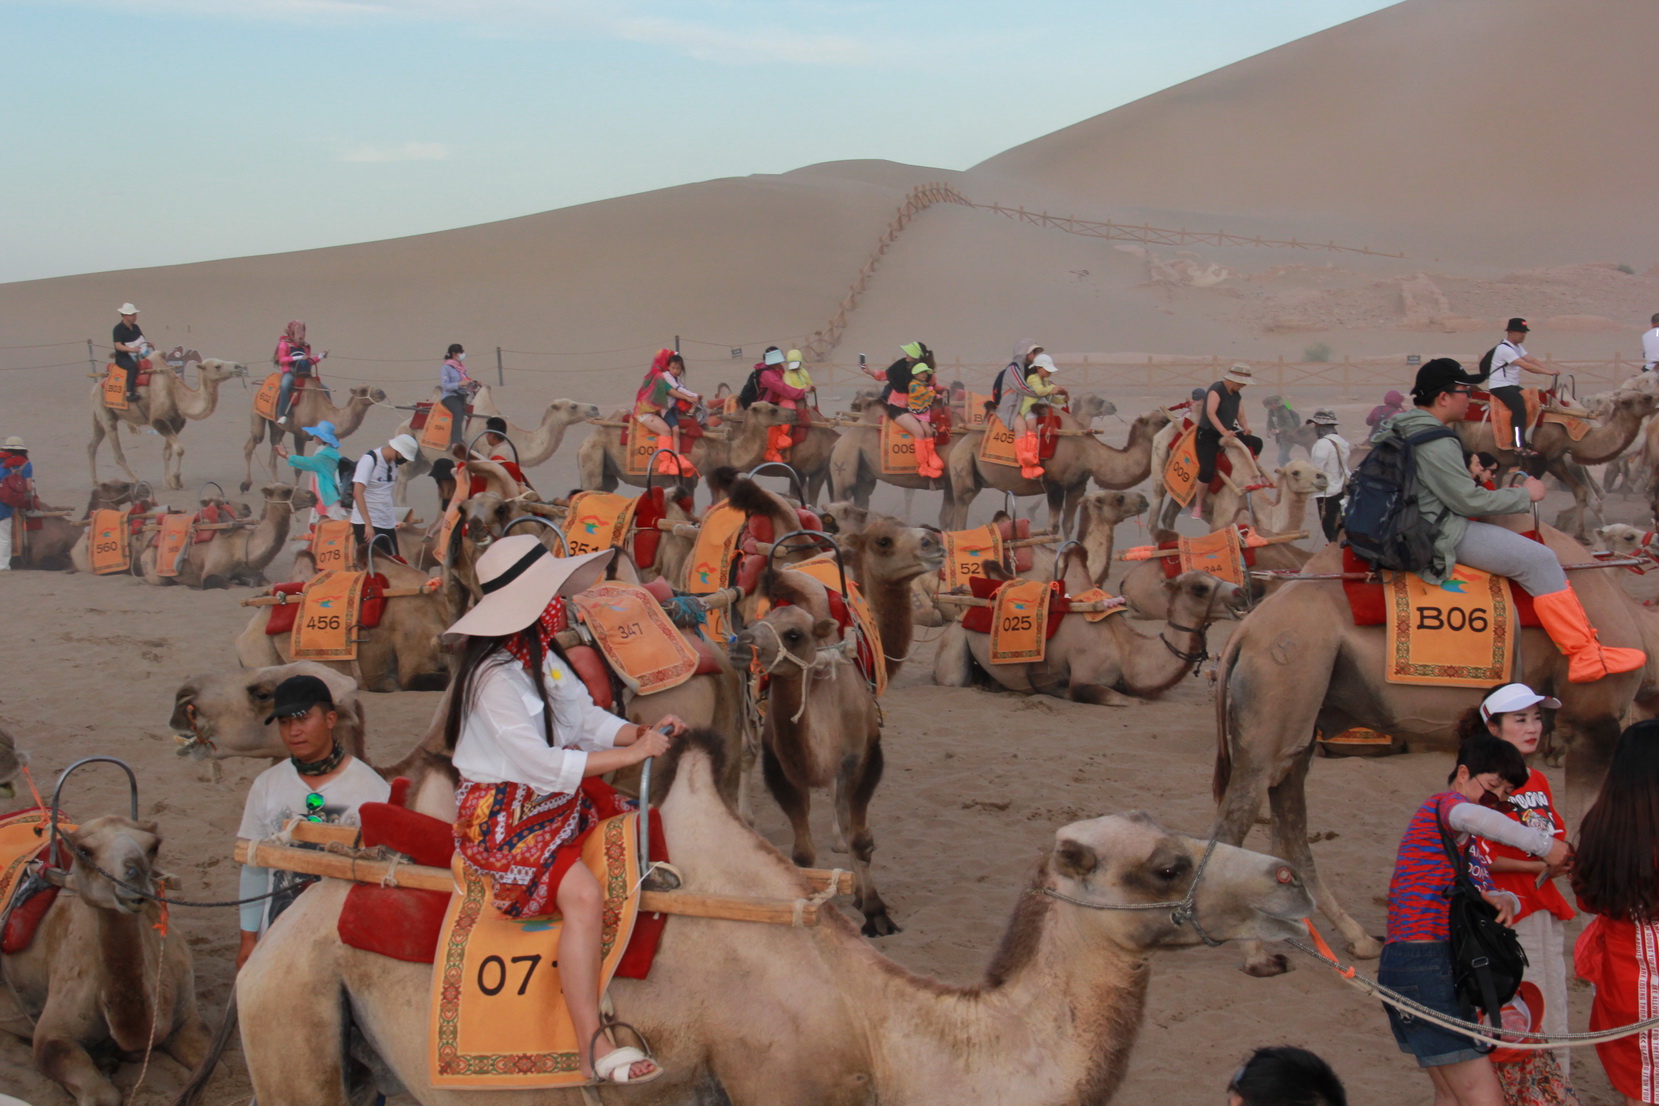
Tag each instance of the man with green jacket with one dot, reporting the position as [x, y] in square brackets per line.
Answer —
[1448, 498]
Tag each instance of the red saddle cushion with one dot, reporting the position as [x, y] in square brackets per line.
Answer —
[283, 615]
[651, 508]
[596, 675]
[809, 519]
[749, 569]
[1011, 529]
[1369, 606]
[1172, 565]
[978, 619]
[25, 919]
[373, 607]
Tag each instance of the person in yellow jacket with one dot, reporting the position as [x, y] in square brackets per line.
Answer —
[1041, 387]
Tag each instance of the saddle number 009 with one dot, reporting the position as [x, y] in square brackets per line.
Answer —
[1453, 618]
[323, 622]
[492, 973]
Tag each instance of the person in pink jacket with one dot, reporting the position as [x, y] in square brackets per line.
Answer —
[775, 389]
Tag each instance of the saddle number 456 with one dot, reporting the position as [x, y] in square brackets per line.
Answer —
[323, 622]
[1453, 618]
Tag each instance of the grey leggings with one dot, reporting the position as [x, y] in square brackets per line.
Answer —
[1494, 549]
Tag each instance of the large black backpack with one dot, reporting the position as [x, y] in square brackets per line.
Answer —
[1487, 959]
[749, 395]
[1381, 517]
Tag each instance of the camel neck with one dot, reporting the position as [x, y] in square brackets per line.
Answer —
[128, 973]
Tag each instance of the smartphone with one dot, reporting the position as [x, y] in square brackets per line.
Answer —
[862, 361]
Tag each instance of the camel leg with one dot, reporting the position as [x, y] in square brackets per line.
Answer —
[854, 787]
[1100, 695]
[60, 1057]
[796, 803]
[98, 432]
[172, 453]
[114, 433]
[1289, 801]
[191, 1041]
[255, 436]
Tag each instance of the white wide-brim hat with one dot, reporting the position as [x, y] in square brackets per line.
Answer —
[126, 309]
[15, 443]
[1512, 697]
[519, 577]
[407, 446]
[1240, 374]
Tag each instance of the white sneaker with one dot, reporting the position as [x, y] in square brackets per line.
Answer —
[283, 421]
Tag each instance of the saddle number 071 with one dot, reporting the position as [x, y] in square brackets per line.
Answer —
[1453, 618]
[492, 973]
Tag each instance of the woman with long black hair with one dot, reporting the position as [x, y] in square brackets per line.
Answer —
[530, 745]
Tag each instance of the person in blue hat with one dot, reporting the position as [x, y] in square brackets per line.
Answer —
[324, 467]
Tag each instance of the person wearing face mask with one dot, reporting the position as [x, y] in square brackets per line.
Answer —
[372, 505]
[1519, 715]
[457, 388]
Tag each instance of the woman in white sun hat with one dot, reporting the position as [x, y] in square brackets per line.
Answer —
[529, 745]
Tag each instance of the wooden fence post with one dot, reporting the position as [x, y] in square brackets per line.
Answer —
[501, 372]
[91, 358]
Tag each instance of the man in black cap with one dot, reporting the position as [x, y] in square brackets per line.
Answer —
[1449, 501]
[1509, 358]
[319, 782]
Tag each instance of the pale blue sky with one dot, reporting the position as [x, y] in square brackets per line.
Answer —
[146, 132]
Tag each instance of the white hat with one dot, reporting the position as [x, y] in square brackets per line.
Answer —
[773, 357]
[1043, 361]
[14, 442]
[1240, 374]
[407, 446]
[127, 309]
[519, 577]
[1511, 697]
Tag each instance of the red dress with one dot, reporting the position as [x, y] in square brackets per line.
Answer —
[1620, 958]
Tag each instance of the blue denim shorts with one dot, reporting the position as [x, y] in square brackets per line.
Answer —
[1422, 970]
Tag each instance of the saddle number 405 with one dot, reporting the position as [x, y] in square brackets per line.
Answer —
[323, 622]
[1453, 618]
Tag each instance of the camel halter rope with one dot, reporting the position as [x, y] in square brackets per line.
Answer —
[1509, 1038]
[1197, 657]
[824, 661]
[1181, 912]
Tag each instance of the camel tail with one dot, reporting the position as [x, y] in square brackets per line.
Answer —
[191, 1092]
[1223, 735]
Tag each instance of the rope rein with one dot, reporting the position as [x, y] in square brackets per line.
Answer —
[1181, 912]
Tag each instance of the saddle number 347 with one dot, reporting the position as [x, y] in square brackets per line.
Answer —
[1453, 618]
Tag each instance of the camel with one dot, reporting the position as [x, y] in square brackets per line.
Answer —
[60, 541]
[1287, 512]
[1246, 471]
[743, 449]
[822, 1017]
[1098, 515]
[222, 714]
[1143, 584]
[602, 466]
[855, 465]
[886, 557]
[164, 405]
[234, 556]
[99, 973]
[533, 445]
[1605, 442]
[401, 654]
[821, 729]
[1107, 662]
[12, 760]
[310, 407]
[1076, 460]
[1298, 664]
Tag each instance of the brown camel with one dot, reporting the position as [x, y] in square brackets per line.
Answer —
[855, 465]
[1107, 662]
[1298, 664]
[1606, 441]
[743, 449]
[1098, 515]
[99, 973]
[233, 556]
[163, 405]
[886, 557]
[12, 760]
[310, 407]
[400, 654]
[60, 541]
[1143, 584]
[822, 1017]
[821, 727]
[1066, 475]
[602, 466]
[534, 445]
[1246, 471]
[1286, 511]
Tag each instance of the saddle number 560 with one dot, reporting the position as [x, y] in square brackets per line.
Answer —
[1453, 618]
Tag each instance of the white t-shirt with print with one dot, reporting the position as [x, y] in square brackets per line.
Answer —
[378, 477]
[1505, 373]
[1650, 349]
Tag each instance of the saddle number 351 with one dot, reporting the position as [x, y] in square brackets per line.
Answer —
[1453, 618]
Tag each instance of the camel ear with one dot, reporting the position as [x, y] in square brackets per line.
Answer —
[1278, 472]
[1074, 859]
[1170, 584]
[826, 628]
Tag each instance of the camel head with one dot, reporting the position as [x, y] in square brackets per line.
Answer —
[893, 552]
[363, 396]
[1125, 859]
[277, 493]
[216, 370]
[1197, 599]
[1089, 407]
[1110, 508]
[124, 849]
[12, 760]
[222, 714]
[567, 412]
[1624, 540]
[844, 518]
[770, 414]
[110, 494]
[1301, 478]
[788, 637]
[1635, 406]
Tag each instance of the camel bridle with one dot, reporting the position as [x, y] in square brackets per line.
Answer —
[1182, 912]
[1197, 657]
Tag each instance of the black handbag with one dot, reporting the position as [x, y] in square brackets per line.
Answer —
[1487, 959]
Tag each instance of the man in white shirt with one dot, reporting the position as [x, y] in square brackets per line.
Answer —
[1329, 454]
[371, 492]
[1650, 347]
[1509, 358]
[319, 781]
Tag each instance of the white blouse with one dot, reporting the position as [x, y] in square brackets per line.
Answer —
[502, 739]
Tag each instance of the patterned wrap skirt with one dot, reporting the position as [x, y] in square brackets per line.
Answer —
[525, 841]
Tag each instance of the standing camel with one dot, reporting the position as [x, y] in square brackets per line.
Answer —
[1299, 664]
[533, 445]
[1078, 458]
[233, 556]
[12, 760]
[886, 556]
[1246, 471]
[821, 1017]
[311, 405]
[1287, 511]
[821, 727]
[743, 450]
[602, 465]
[163, 405]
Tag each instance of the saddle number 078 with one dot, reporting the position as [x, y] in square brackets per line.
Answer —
[492, 973]
[1453, 618]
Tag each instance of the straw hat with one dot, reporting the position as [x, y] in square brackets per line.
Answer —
[519, 577]
[15, 444]
[1240, 374]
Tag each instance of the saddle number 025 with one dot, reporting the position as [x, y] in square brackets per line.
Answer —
[492, 973]
[1453, 618]
[1017, 622]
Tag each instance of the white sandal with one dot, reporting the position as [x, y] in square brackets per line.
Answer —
[617, 1065]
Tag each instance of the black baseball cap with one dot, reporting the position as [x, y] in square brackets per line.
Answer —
[1439, 375]
[298, 694]
[1517, 324]
[496, 424]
